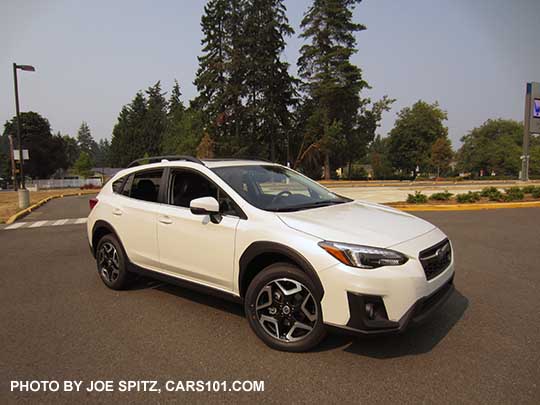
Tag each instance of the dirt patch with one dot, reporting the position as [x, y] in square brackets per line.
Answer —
[9, 200]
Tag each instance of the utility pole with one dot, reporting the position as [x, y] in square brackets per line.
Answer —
[13, 167]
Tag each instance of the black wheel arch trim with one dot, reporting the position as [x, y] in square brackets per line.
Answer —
[103, 224]
[264, 247]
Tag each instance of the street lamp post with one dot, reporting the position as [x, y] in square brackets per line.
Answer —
[24, 198]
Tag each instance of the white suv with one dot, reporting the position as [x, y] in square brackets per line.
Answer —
[301, 258]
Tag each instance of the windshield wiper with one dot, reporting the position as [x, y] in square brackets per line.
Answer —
[316, 204]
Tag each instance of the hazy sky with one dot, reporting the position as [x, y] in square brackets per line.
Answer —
[91, 57]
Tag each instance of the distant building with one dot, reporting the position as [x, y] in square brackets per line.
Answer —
[106, 172]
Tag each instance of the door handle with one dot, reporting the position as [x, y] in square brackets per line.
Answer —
[165, 220]
[117, 211]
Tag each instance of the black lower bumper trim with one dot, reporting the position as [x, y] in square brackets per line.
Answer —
[418, 313]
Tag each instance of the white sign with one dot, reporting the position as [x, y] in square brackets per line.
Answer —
[24, 153]
[536, 108]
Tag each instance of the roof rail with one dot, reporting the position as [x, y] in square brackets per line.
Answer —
[155, 159]
[238, 158]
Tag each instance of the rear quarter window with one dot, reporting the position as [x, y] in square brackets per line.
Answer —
[118, 185]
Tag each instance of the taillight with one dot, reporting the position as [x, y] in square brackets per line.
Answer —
[93, 202]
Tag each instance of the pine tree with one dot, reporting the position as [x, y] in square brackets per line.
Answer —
[175, 105]
[85, 141]
[268, 85]
[129, 134]
[102, 158]
[212, 72]
[331, 81]
[155, 120]
[220, 77]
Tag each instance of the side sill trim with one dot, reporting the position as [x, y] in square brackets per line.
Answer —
[180, 282]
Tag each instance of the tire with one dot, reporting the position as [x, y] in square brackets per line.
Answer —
[283, 308]
[111, 263]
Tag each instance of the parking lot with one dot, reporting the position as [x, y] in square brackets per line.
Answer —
[60, 322]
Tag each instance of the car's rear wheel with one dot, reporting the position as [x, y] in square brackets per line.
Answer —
[111, 263]
[284, 310]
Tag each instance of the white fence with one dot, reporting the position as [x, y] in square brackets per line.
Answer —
[63, 183]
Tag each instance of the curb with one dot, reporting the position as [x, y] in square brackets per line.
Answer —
[31, 208]
[465, 207]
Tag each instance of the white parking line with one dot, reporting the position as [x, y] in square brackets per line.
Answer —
[15, 225]
[38, 224]
[59, 222]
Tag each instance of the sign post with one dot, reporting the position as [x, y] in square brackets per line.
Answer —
[531, 124]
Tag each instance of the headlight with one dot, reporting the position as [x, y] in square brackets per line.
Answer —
[365, 257]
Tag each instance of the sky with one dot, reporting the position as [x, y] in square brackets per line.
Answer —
[91, 57]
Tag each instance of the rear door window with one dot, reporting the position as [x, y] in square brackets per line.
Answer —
[144, 185]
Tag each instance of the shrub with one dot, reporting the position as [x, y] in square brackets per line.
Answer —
[536, 192]
[470, 197]
[513, 194]
[445, 196]
[529, 189]
[89, 187]
[491, 193]
[417, 198]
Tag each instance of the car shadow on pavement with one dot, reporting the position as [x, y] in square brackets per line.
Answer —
[417, 339]
[203, 298]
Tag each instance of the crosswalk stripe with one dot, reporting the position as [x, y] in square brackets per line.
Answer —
[37, 224]
[15, 225]
[40, 224]
[59, 222]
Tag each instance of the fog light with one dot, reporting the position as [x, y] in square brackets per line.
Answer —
[370, 310]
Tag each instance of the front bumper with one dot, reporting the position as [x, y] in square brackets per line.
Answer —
[403, 292]
[418, 313]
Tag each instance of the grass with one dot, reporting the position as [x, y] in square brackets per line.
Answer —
[9, 201]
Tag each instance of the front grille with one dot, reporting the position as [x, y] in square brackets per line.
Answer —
[436, 258]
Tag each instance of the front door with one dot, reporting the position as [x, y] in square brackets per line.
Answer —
[192, 246]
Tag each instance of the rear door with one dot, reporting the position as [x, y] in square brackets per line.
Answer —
[134, 216]
[192, 246]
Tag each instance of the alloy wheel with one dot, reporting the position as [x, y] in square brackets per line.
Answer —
[286, 310]
[109, 263]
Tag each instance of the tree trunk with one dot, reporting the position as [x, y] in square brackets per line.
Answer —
[327, 175]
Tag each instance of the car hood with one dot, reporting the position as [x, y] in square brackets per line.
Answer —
[359, 223]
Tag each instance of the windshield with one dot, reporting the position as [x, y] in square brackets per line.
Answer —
[276, 188]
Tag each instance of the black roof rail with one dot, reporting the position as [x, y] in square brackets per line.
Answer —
[239, 158]
[155, 159]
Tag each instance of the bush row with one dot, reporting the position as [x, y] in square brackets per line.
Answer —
[489, 193]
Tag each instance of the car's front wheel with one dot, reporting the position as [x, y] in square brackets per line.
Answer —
[112, 263]
[284, 310]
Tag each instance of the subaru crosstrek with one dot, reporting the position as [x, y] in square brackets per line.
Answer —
[301, 258]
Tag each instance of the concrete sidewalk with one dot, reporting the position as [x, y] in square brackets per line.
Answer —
[389, 194]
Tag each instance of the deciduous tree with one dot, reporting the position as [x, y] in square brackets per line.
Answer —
[416, 129]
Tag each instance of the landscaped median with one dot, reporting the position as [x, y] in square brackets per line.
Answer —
[9, 205]
[487, 198]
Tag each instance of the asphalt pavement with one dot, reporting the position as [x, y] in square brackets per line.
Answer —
[59, 322]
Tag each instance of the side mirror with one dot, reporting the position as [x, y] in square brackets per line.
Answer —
[206, 206]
